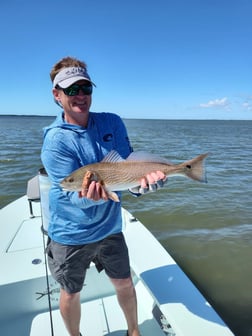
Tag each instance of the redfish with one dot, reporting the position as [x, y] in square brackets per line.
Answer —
[117, 174]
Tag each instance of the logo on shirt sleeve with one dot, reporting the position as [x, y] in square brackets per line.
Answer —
[107, 137]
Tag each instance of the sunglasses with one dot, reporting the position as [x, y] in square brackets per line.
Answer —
[74, 89]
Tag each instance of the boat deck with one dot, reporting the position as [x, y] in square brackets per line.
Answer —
[162, 288]
[99, 317]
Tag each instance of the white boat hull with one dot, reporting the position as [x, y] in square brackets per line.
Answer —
[168, 302]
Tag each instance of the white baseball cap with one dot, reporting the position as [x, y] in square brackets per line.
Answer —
[67, 76]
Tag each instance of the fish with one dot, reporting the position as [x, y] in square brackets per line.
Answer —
[118, 174]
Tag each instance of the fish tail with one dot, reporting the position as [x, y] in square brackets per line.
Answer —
[195, 169]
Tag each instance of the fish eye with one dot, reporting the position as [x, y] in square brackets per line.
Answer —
[71, 180]
[189, 166]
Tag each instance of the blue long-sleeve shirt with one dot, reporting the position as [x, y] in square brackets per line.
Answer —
[67, 147]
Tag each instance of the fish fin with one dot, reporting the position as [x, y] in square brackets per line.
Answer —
[113, 196]
[195, 168]
[113, 156]
[146, 157]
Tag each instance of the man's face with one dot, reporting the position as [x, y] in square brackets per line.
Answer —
[76, 107]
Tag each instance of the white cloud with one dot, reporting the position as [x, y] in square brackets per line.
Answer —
[222, 102]
[247, 106]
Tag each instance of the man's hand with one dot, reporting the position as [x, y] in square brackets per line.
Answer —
[92, 189]
[150, 183]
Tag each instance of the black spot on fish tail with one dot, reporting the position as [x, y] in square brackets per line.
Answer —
[194, 168]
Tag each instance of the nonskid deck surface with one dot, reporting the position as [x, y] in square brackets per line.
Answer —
[94, 320]
[99, 317]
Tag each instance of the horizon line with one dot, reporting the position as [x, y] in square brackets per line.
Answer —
[126, 118]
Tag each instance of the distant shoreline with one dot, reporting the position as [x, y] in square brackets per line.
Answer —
[26, 115]
[124, 118]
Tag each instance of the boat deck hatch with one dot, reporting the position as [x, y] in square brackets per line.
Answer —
[24, 238]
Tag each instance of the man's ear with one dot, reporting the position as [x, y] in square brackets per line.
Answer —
[56, 94]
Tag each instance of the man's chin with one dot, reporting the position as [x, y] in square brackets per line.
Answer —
[78, 109]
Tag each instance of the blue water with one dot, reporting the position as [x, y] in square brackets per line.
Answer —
[207, 228]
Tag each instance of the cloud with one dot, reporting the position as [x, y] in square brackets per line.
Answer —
[247, 106]
[222, 102]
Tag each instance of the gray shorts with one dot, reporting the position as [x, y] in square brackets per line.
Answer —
[68, 263]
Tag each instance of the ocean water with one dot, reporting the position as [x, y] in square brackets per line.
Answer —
[207, 228]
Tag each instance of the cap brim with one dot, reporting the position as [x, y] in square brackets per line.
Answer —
[69, 81]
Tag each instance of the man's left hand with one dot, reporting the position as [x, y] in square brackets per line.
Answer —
[150, 183]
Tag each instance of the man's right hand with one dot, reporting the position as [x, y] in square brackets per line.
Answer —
[91, 189]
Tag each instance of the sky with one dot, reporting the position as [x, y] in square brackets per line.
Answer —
[163, 59]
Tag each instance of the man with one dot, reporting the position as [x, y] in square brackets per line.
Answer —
[87, 226]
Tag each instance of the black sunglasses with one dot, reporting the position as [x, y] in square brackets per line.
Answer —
[74, 89]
